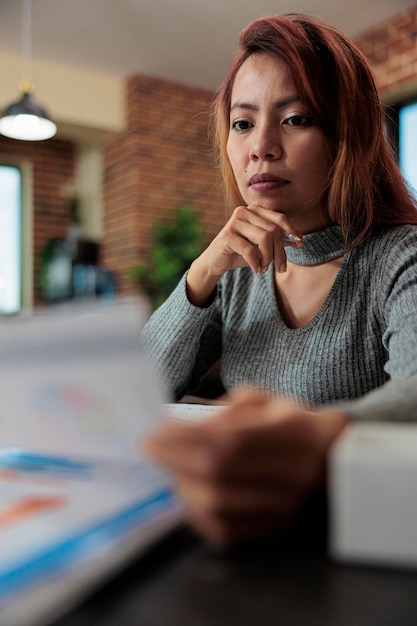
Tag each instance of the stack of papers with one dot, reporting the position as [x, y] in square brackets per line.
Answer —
[78, 499]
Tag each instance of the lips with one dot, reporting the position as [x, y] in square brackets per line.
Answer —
[267, 182]
[266, 178]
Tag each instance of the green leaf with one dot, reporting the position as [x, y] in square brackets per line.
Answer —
[175, 243]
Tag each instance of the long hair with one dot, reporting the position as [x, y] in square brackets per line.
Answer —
[335, 81]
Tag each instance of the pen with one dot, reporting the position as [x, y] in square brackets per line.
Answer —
[290, 237]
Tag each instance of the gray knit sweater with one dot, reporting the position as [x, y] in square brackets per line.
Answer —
[364, 337]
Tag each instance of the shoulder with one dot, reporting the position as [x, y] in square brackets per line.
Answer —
[395, 234]
[390, 258]
[386, 255]
[394, 242]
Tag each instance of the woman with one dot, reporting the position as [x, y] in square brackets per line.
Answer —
[309, 292]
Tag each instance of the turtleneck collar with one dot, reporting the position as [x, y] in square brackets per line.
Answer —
[319, 247]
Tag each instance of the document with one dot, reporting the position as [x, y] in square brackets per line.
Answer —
[78, 499]
[191, 412]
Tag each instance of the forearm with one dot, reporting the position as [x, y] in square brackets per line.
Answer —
[173, 340]
[200, 284]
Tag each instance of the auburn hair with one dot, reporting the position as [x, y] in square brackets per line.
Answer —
[335, 81]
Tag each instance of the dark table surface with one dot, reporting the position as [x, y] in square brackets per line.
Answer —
[284, 581]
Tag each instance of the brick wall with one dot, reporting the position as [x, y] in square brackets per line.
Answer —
[161, 161]
[392, 50]
[53, 165]
[163, 158]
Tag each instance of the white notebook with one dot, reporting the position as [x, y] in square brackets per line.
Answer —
[78, 499]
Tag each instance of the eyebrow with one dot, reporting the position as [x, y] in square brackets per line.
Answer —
[252, 107]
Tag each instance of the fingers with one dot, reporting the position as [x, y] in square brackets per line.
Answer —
[279, 220]
[229, 497]
[236, 446]
[246, 245]
[183, 448]
[224, 515]
[251, 237]
[262, 229]
[258, 233]
[279, 227]
[248, 469]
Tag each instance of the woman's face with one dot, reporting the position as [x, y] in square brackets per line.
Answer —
[278, 155]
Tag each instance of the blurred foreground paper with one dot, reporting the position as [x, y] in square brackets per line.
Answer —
[76, 381]
[77, 499]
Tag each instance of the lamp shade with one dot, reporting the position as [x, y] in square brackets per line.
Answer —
[26, 120]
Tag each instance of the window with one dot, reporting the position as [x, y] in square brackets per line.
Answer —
[407, 140]
[10, 239]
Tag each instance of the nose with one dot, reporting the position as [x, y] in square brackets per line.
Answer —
[266, 145]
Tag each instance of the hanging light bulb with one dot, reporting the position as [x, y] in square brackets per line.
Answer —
[25, 119]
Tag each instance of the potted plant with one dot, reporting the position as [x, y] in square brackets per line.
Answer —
[175, 243]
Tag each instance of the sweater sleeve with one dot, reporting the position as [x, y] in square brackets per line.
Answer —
[183, 341]
[396, 400]
[399, 303]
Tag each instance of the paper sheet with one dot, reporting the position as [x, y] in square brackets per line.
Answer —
[77, 497]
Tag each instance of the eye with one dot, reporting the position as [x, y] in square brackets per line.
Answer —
[296, 119]
[241, 125]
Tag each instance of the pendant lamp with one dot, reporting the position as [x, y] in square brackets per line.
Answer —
[25, 119]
